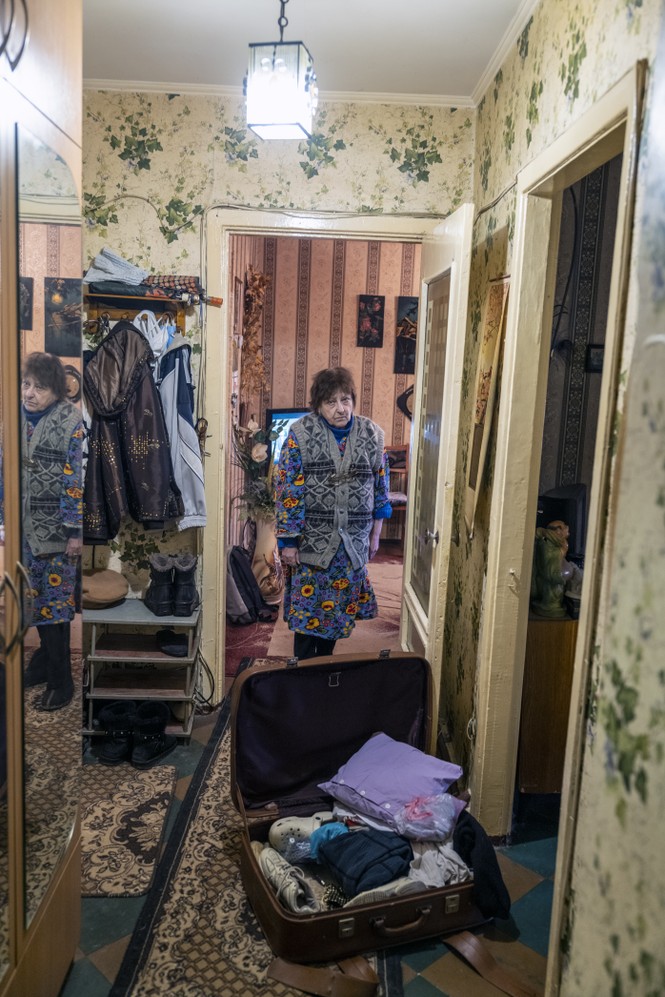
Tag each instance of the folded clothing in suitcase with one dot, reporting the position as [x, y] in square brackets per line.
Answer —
[295, 727]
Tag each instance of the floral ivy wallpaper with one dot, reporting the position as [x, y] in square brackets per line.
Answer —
[155, 163]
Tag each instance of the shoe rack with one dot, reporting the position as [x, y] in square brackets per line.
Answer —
[125, 661]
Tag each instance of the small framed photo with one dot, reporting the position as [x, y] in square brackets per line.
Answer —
[405, 335]
[26, 290]
[370, 319]
[594, 358]
[62, 309]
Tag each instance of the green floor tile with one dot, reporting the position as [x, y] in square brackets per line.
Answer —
[106, 919]
[85, 980]
[539, 855]
[532, 914]
[422, 988]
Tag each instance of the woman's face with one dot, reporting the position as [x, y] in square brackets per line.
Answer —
[337, 409]
[35, 396]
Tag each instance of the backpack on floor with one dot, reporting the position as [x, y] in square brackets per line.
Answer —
[244, 602]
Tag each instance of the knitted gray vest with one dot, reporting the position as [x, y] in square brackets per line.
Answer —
[44, 458]
[339, 490]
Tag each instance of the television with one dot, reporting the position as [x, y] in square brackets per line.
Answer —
[567, 503]
[286, 417]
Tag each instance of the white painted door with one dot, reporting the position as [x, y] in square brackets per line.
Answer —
[446, 258]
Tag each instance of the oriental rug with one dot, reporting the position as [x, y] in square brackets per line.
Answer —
[196, 935]
[123, 817]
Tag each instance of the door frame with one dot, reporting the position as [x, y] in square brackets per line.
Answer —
[448, 251]
[219, 224]
[610, 127]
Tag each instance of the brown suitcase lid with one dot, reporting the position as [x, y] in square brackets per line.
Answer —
[294, 725]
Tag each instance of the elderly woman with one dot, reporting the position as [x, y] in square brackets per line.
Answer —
[52, 495]
[332, 498]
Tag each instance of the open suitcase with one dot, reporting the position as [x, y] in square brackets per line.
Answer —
[293, 725]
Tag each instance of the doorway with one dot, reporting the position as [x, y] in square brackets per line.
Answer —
[222, 226]
[608, 129]
[579, 318]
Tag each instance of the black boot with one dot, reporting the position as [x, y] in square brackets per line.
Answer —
[118, 721]
[185, 596]
[151, 742]
[59, 683]
[37, 671]
[159, 597]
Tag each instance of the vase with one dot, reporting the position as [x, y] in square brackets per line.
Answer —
[266, 563]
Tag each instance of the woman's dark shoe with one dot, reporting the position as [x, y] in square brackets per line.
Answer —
[118, 720]
[54, 699]
[37, 671]
[60, 686]
[151, 742]
[159, 597]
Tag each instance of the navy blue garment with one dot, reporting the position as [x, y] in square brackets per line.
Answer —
[365, 859]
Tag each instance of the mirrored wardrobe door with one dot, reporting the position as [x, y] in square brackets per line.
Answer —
[49, 321]
[4, 641]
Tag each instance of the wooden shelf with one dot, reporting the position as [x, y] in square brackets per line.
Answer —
[126, 662]
[119, 306]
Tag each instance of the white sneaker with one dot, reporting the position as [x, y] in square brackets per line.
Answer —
[290, 831]
[396, 888]
[288, 881]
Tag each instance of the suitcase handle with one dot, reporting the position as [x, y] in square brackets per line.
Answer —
[381, 928]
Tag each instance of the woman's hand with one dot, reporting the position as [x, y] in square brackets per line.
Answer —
[374, 537]
[74, 548]
[290, 556]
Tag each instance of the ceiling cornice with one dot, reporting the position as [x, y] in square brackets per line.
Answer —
[514, 30]
[337, 97]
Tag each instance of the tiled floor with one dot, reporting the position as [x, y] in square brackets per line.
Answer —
[429, 969]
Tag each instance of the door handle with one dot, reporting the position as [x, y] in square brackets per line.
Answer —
[8, 583]
[27, 602]
[432, 538]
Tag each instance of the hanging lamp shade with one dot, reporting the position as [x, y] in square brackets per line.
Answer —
[281, 90]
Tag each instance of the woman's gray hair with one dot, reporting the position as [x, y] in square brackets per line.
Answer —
[329, 381]
[48, 371]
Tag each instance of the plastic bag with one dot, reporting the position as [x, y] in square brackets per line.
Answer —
[427, 818]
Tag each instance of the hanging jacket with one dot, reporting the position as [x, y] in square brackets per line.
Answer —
[176, 390]
[129, 468]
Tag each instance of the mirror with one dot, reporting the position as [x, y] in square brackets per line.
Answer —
[4, 865]
[49, 296]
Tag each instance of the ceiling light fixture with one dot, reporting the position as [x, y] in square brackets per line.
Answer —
[281, 87]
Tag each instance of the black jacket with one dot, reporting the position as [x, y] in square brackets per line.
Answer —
[129, 468]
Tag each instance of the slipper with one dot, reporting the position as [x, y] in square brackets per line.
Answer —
[288, 831]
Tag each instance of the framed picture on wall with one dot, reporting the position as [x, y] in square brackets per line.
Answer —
[238, 307]
[25, 302]
[371, 309]
[62, 316]
[490, 348]
[405, 334]
[594, 358]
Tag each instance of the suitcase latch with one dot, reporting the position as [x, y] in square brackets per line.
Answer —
[347, 927]
[291, 662]
[452, 904]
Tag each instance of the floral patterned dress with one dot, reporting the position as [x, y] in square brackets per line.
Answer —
[53, 579]
[323, 602]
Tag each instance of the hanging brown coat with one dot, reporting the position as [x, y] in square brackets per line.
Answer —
[129, 469]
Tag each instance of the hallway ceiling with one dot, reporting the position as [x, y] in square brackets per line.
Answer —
[442, 50]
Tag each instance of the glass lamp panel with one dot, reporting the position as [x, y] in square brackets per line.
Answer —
[281, 92]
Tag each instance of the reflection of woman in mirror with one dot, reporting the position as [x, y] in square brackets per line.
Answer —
[52, 496]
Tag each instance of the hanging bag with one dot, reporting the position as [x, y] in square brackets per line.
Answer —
[155, 332]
